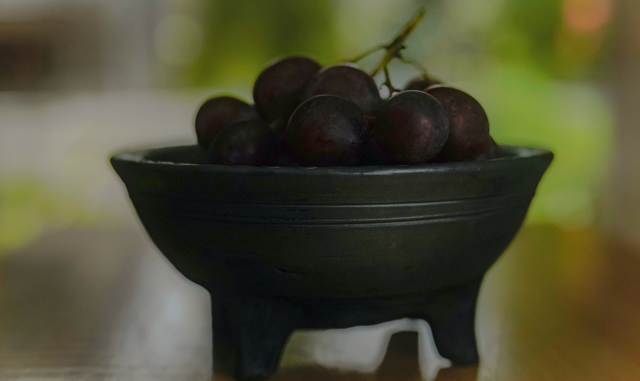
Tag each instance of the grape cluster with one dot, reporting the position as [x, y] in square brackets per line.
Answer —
[307, 115]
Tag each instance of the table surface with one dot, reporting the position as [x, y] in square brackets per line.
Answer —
[105, 305]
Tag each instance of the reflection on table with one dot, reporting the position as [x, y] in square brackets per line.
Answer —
[104, 304]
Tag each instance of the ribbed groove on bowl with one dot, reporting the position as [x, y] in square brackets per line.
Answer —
[323, 214]
[337, 222]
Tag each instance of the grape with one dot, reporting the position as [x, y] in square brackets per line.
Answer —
[410, 128]
[279, 126]
[468, 125]
[284, 160]
[492, 153]
[348, 82]
[421, 83]
[373, 155]
[219, 112]
[325, 130]
[245, 143]
[278, 89]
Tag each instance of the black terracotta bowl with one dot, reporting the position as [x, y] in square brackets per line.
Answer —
[282, 248]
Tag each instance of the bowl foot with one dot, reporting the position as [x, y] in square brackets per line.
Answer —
[249, 335]
[451, 316]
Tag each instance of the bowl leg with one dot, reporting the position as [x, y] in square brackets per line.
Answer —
[451, 316]
[249, 335]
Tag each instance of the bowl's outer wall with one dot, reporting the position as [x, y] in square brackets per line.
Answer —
[330, 232]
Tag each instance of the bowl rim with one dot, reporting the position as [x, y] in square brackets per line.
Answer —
[137, 156]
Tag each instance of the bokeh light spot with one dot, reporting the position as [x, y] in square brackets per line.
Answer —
[586, 15]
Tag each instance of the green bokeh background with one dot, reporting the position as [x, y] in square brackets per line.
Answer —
[538, 80]
[540, 76]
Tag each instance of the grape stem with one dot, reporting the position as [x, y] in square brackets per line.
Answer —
[413, 63]
[387, 82]
[367, 53]
[397, 45]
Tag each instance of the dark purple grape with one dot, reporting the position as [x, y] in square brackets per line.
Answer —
[492, 153]
[245, 143]
[219, 112]
[278, 89]
[421, 83]
[410, 128]
[279, 126]
[284, 160]
[373, 155]
[348, 82]
[325, 130]
[468, 125]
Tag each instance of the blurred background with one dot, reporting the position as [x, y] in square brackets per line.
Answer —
[84, 294]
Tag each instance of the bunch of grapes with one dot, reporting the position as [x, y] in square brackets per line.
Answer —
[308, 115]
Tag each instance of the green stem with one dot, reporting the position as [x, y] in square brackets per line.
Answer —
[394, 48]
[415, 64]
[368, 52]
[387, 82]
